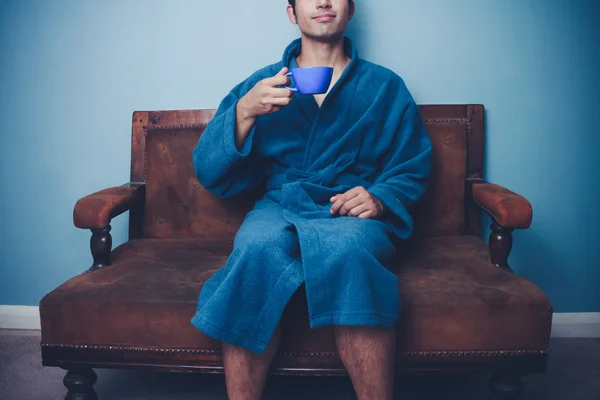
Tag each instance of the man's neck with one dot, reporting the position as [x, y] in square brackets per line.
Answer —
[315, 53]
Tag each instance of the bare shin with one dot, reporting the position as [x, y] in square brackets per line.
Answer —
[368, 354]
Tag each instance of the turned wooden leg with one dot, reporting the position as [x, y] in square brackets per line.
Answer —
[506, 387]
[500, 243]
[101, 244]
[80, 383]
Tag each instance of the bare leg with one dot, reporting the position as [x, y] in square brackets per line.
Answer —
[368, 353]
[245, 371]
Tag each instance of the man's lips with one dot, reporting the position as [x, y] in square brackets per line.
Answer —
[324, 17]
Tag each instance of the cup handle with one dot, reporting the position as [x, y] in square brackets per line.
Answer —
[291, 88]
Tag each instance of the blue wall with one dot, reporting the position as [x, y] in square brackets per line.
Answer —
[72, 72]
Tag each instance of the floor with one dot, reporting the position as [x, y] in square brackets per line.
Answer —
[573, 374]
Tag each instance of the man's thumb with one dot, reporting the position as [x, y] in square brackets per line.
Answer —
[283, 71]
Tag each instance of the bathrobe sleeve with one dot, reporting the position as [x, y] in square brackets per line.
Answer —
[220, 167]
[405, 167]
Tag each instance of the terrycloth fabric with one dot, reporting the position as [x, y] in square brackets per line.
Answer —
[368, 132]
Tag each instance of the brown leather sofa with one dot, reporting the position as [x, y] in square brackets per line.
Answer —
[464, 311]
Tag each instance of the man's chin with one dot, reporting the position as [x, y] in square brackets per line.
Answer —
[325, 37]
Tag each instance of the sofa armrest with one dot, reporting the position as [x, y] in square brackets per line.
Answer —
[96, 210]
[508, 209]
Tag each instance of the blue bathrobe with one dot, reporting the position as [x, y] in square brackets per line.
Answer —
[368, 132]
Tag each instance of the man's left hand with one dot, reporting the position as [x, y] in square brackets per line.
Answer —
[357, 202]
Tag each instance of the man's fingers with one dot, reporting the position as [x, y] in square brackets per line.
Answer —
[361, 208]
[277, 80]
[366, 214]
[277, 92]
[341, 199]
[339, 202]
[355, 191]
[281, 101]
[351, 204]
[333, 199]
[349, 195]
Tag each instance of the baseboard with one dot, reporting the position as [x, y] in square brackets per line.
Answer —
[19, 317]
[576, 325]
[564, 325]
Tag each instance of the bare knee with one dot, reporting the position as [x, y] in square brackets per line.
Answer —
[245, 356]
[362, 331]
[361, 339]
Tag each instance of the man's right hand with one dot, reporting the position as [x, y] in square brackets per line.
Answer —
[265, 97]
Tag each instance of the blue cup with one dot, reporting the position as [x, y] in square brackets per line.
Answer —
[311, 80]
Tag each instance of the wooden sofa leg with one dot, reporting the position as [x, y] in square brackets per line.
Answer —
[101, 244]
[506, 387]
[80, 382]
[500, 244]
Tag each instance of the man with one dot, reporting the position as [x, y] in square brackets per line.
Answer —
[342, 171]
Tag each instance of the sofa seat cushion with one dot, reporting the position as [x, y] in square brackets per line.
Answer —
[455, 299]
[452, 300]
[146, 297]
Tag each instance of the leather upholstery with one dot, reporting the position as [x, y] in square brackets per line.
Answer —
[452, 300]
[97, 209]
[441, 211]
[507, 208]
[177, 206]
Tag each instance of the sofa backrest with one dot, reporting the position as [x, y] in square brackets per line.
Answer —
[177, 206]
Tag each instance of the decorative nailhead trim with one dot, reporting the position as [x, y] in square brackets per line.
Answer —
[446, 120]
[184, 126]
[466, 121]
[145, 155]
[438, 353]
[476, 175]
[481, 353]
[153, 350]
[310, 354]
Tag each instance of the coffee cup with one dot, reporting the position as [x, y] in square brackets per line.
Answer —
[311, 80]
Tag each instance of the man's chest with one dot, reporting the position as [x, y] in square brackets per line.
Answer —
[337, 120]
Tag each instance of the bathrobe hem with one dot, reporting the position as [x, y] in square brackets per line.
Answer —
[236, 339]
[267, 320]
[270, 315]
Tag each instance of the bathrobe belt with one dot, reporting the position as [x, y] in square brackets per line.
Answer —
[329, 176]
